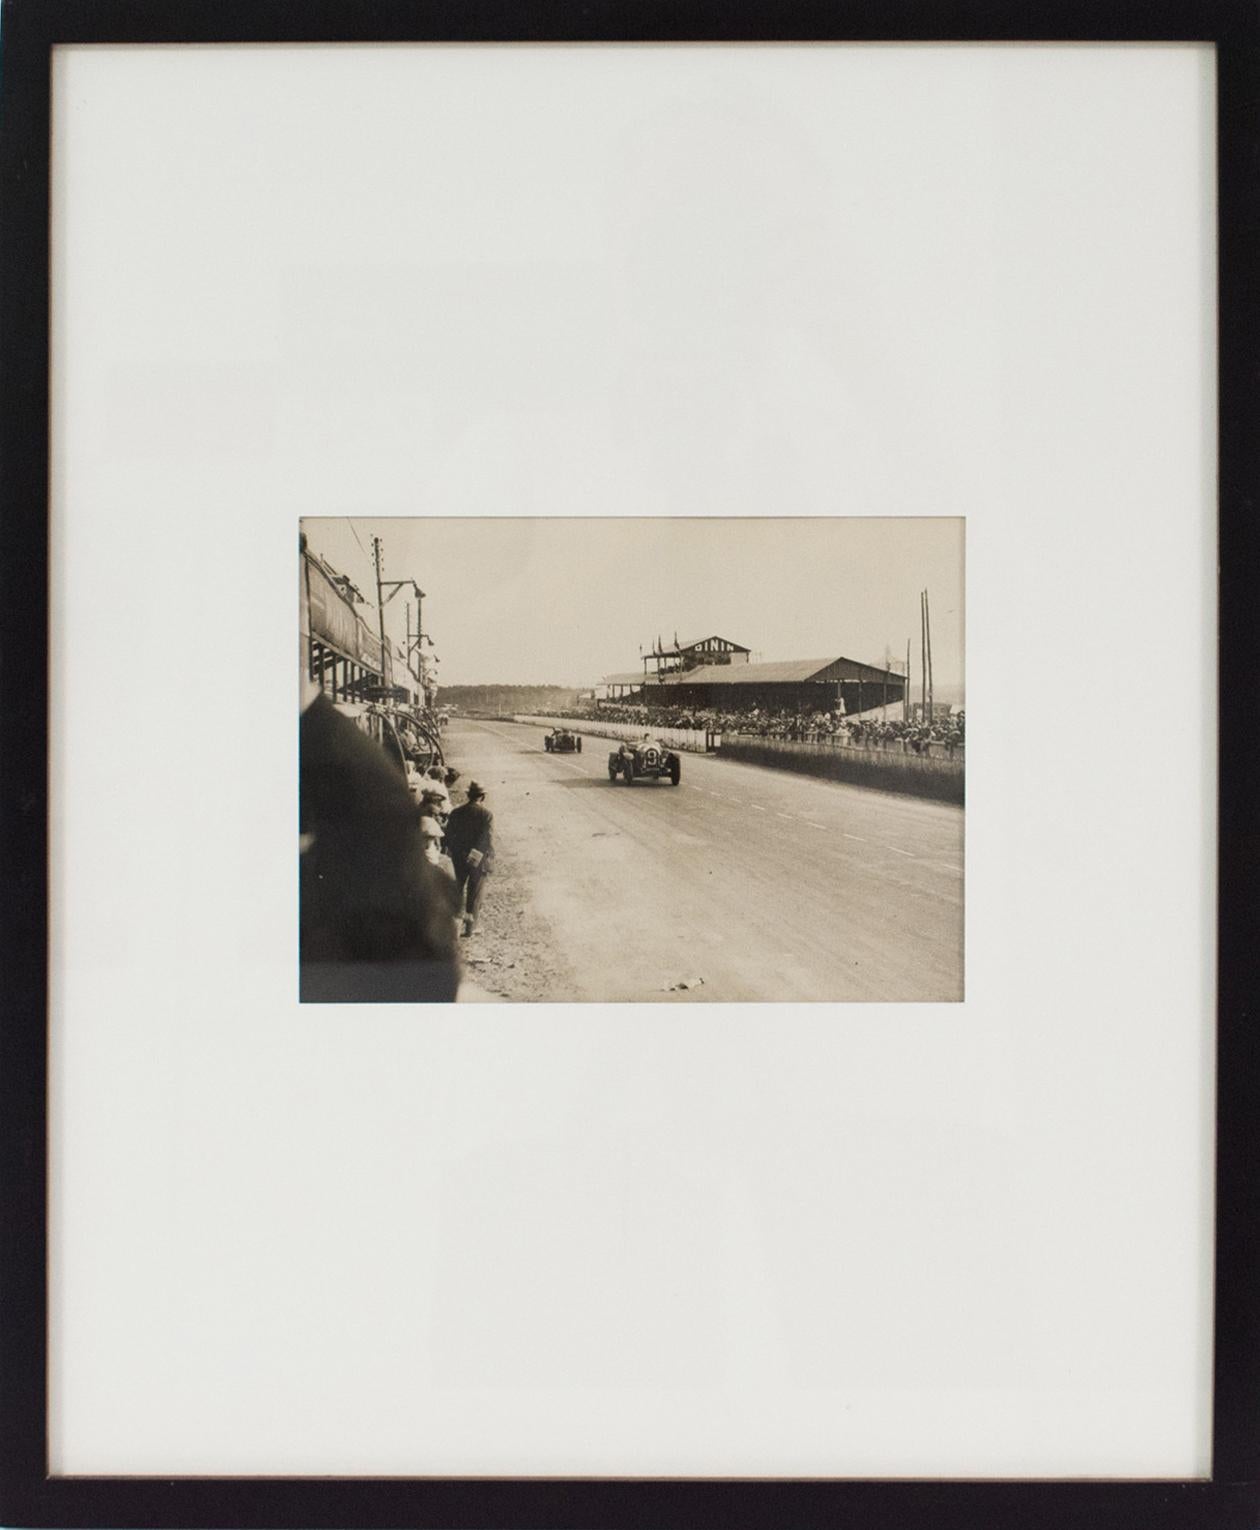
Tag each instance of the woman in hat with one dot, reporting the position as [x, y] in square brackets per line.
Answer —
[431, 827]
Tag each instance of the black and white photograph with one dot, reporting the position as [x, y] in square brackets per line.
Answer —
[684, 759]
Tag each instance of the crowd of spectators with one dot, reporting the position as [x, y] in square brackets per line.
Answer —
[916, 736]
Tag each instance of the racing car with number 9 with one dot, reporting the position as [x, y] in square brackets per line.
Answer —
[644, 758]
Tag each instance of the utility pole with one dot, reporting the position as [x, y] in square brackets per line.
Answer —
[414, 650]
[905, 689]
[927, 616]
[922, 653]
[411, 646]
[380, 605]
[382, 600]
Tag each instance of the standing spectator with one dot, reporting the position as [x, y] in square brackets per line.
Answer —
[431, 822]
[435, 782]
[469, 839]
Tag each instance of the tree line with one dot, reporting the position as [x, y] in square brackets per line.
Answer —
[507, 698]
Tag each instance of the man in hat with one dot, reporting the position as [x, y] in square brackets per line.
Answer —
[470, 844]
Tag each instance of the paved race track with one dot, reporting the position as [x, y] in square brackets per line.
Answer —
[764, 884]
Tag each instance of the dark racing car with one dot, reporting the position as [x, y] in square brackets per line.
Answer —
[648, 758]
[562, 741]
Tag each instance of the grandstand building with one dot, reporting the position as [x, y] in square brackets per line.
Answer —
[795, 685]
[714, 674]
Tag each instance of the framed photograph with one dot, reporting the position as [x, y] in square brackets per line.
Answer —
[549, 1019]
[881, 859]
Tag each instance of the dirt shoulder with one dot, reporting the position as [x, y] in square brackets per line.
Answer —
[513, 953]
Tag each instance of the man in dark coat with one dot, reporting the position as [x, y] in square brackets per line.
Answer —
[470, 844]
[376, 917]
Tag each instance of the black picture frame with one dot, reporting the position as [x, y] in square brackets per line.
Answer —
[28, 1496]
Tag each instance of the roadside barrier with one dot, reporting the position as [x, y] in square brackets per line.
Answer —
[888, 767]
[936, 749]
[889, 770]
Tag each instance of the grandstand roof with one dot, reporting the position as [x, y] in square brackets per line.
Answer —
[627, 677]
[782, 672]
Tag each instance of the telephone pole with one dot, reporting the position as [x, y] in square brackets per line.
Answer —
[922, 654]
[380, 608]
[905, 690]
[931, 689]
[382, 600]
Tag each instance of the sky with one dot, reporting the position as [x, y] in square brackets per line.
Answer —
[565, 600]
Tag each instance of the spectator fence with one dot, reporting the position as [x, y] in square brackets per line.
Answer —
[936, 749]
[888, 765]
[888, 769]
